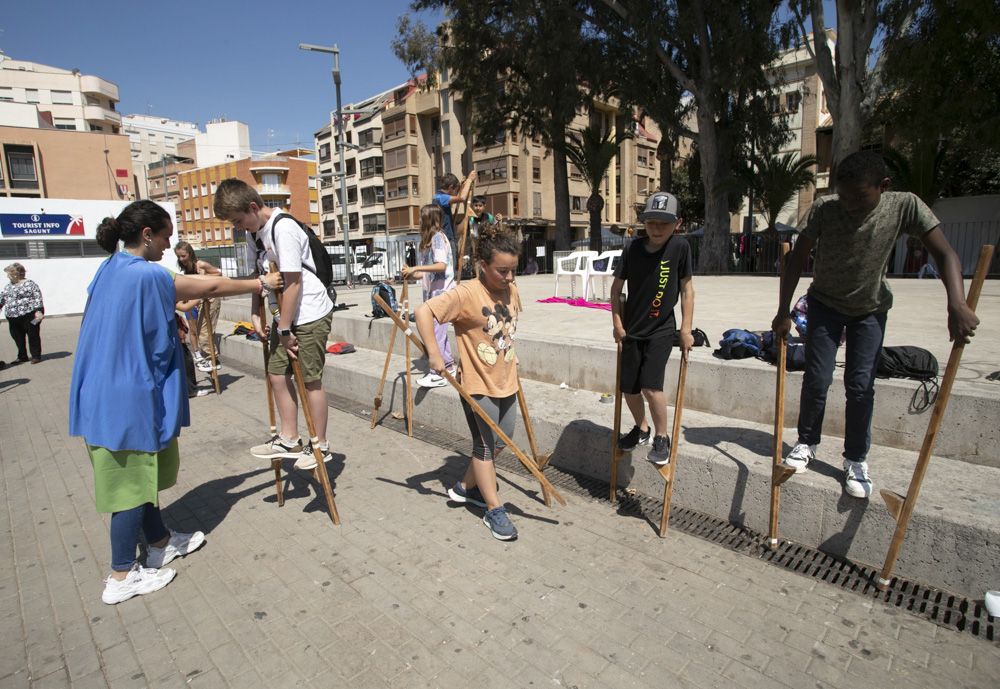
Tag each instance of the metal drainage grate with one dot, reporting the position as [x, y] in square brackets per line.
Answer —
[941, 607]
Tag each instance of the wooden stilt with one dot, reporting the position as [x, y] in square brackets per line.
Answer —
[616, 431]
[669, 470]
[540, 459]
[275, 463]
[211, 345]
[902, 507]
[320, 470]
[527, 462]
[779, 472]
[381, 384]
[409, 364]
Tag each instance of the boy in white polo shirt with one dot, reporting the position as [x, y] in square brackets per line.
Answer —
[302, 325]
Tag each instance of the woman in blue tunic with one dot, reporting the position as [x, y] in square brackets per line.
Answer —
[128, 395]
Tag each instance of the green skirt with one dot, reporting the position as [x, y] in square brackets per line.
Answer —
[127, 479]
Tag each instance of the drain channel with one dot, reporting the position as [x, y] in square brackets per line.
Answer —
[942, 607]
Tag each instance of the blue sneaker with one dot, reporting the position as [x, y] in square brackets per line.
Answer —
[460, 494]
[499, 524]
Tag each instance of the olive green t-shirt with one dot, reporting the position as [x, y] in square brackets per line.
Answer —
[852, 253]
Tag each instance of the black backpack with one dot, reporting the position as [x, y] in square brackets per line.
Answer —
[914, 363]
[700, 338]
[320, 257]
[388, 295]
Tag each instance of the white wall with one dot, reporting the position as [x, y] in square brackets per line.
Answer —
[64, 281]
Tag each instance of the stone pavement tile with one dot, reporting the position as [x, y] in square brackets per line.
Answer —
[699, 654]
[94, 680]
[421, 659]
[82, 661]
[618, 677]
[388, 662]
[52, 680]
[737, 651]
[120, 661]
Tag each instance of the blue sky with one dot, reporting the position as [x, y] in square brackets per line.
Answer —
[197, 61]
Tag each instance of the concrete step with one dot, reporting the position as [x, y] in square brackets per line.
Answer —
[742, 389]
[723, 470]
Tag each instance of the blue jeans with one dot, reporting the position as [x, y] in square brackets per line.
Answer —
[864, 342]
[125, 528]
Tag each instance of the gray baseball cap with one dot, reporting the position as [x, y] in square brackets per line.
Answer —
[660, 206]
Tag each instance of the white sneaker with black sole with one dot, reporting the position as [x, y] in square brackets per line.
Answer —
[277, 447]
[139, 581]
[857, 483]
[800, 456]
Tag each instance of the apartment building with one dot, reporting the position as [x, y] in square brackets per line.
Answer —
[282, 180]
[152, 138]
[77, 102]
[45, 162]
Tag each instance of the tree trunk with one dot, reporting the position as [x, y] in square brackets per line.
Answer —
[665, 152]
[560, 176]
[847, 124]
[595, 204]
[714, 253]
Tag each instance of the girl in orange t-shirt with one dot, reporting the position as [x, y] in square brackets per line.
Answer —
[484, 313]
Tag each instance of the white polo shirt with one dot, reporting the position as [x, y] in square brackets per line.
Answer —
[286, 243]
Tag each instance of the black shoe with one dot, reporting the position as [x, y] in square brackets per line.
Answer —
[634, 437]
[660, 454]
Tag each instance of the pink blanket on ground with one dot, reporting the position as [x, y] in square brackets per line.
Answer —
[576, 302]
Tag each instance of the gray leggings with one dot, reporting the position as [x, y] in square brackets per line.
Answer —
[501, 411]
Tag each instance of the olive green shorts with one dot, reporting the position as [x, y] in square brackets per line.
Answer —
[312, 349]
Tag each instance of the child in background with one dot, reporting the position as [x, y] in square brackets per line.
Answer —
[438, 276]
[484, 312]
[657, 270]
[854, 233]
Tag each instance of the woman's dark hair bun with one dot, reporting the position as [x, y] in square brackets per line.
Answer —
[108, 234]
[497, 236]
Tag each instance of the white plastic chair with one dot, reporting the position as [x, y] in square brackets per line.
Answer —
[576, 264]
[612, 259]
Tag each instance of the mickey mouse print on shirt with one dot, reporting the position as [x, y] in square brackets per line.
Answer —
[500, 327]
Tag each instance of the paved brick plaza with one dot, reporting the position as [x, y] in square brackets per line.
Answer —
[410, 591]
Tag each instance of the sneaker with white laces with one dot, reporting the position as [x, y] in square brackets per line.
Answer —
[179, 545]
[634, 438]
[800, 456]
[198, 356]
[857, 483]
[139, 581]
[277, 447]
[307, 460]
[432, 380]
[205, 366]
[499, 524]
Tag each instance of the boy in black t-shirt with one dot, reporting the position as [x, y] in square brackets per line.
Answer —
[657, 269]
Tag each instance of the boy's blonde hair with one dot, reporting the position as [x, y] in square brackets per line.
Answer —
[431, 219]
[235, 196]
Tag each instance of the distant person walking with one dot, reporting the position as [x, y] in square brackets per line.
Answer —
[128, 394]
[203, 321]
[23, 301]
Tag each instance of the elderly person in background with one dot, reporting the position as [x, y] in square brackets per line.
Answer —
[25, 311]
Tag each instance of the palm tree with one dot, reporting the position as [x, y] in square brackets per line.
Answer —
[776, 180]
[919, 168]
[592, 152]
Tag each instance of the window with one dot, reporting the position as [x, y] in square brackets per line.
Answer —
[96, 128]
[413, 124]
[324, 153]
[398, 218]
[640, 184]
[93, 100]
[351, 167]
[352, 195]
[204, 189]
[228, 233]
[394, 128]
[371, 167]
[197, 214]
[30, 94]
[328, 203]
[64, 123]
[13, 250]
[374, 223]
[577, 204]
[445, 134]
[194, 191]
[494, 169]
[62, 97]
[395, 159]
[184, 192]
[773, 104]
[514, 208]
[642, 158]
[536, 169]
[416, 187]
[268, 179]
[368, 138]
[21, 163]
[397, 188]
[352, 220]
[213, 186]
[792, 101]
[536, 204]
[274, 203]
[6, 94]
[372, 195]
[187, 214]
[329, 228]
[204, 212]
[574, 172]
[513, 169]
[445, 102]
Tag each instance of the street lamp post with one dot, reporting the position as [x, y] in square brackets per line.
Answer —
[345, 223]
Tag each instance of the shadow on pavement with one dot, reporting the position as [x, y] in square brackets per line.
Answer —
[205, 506]
[8, 385]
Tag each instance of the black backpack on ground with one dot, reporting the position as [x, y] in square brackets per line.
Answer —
[321, 259]
[388, 294]
[795, 352]
[700, 338]
[915, 363]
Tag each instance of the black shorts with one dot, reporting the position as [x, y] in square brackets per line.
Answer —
[644, 363]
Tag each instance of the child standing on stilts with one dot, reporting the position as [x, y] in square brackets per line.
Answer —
[434, 255]
[484, 312]
[657, 270]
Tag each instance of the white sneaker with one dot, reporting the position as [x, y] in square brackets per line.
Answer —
[857, 484]
[432, 380]
[205, 366]
[179, 545]
[203, 391]
[198, 356]
[800, 456]
[138, 581]
[307, 460]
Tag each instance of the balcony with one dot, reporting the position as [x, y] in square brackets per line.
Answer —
[92, 84]
[273, 190]
[95, 113]
[263, 167]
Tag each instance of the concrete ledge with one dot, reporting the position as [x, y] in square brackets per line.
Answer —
[724, 469]
[741, 389]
